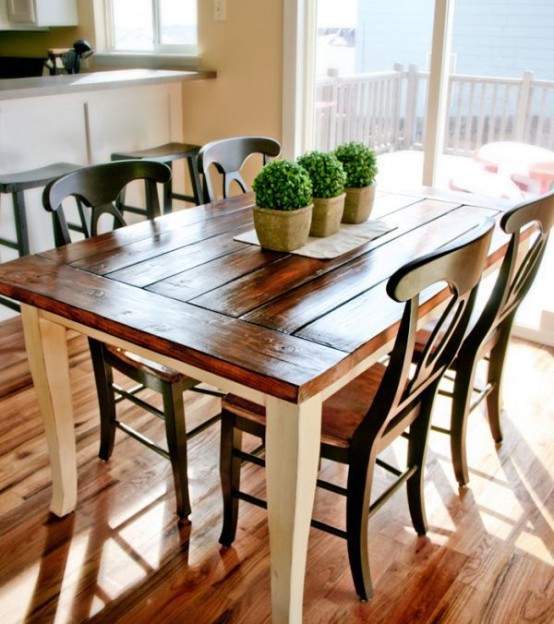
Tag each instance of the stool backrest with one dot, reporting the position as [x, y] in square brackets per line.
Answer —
[96, 189]
[228, 157]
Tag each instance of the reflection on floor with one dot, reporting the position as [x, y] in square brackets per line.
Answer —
[122, 557]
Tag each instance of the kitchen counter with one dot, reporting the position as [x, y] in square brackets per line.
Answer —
[16, 88]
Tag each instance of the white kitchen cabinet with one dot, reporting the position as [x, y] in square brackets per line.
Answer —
[36, 13]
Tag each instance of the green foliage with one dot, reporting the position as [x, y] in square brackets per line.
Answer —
[359, 162]
[282, 185]
[326, 173]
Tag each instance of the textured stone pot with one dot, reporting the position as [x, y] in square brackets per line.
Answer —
[282, 230]
[358, 204]
[327, 215]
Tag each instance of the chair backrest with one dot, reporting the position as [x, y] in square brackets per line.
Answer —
[529, 225]
[96, 189]
[228, 156]
[406, 386]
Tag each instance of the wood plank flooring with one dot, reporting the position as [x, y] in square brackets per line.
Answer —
[122, 557]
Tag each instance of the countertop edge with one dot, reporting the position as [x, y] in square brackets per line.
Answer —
[17, 88]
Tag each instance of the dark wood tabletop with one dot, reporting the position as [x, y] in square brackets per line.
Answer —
[183, 287]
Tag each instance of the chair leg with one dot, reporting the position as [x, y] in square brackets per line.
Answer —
[168, 192]
[176, 435]
[461, 400]
[20, 217]
[357, 515]
[417, 451]
[106, 399]
[229, 470]
[494, 378]
[195, 180]
[120, 201]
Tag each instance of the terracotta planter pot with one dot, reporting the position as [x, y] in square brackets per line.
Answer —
[358, 204]
[282, 230]
[327, 215]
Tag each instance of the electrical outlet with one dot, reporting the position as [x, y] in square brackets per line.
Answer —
[220, 10]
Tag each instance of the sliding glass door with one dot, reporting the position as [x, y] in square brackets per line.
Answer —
[455, 94]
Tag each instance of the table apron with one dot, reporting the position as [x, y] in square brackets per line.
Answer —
[202, 375]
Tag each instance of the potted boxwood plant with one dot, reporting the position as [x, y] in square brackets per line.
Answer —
[283, 211]
[328, 178]
[360, 165]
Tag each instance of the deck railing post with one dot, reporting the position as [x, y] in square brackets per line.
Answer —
[410, 112]
[522, 114]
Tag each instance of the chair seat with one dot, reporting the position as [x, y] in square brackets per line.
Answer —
[147, 366]
[22, 180]
[341, 413]
[163, 153]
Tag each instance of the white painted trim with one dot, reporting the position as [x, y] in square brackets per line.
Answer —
[299, 36]
[292, 115]
[435, 121]
[543, 334]
[533, 334]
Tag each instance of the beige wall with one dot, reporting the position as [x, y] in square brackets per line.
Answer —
[28, 43]
[246, 51]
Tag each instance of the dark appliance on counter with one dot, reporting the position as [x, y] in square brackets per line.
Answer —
[20, 66]
[68, 60]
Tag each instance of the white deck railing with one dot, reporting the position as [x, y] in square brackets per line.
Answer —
[385, 110]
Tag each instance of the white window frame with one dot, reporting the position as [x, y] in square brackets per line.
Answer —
[161, 55]
[298, 76]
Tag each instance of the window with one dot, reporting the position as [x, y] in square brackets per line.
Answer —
[152, 26]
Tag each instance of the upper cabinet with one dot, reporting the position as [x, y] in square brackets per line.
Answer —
[36, 13]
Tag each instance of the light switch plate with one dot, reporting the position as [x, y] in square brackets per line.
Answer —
[220, 10]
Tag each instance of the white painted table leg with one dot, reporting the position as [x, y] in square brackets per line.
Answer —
[46, 346]
[292, 453]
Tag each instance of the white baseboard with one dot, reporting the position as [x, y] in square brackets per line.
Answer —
[543, 334]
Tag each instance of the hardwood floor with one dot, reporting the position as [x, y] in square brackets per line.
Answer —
[122, 557]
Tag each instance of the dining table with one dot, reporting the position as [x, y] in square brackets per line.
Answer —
[191, 291]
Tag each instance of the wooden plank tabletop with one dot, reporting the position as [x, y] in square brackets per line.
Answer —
[285, 324]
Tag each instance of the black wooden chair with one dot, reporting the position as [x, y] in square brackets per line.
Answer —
[227, 156]
[488, 339]
[97, 188]
[381, 405]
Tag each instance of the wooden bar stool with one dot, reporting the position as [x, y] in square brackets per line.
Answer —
[167, 153]
[15, 184]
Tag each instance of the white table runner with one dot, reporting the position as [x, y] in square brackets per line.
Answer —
[347, 238]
